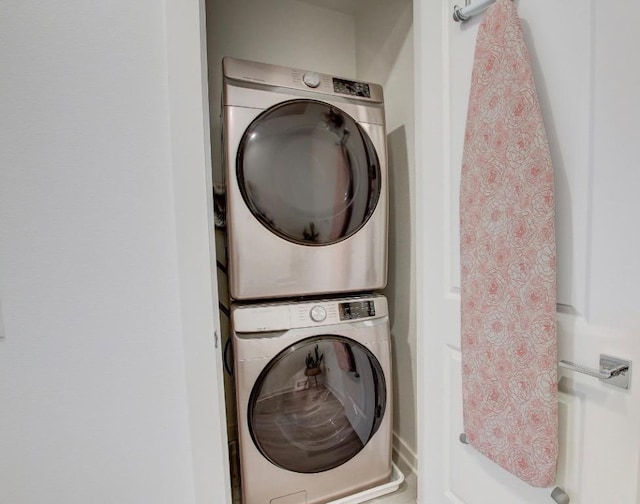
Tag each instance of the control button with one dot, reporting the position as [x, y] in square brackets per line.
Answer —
[311, 79]
[318, 313]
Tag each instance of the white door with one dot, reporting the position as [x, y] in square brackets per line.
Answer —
[588, 79]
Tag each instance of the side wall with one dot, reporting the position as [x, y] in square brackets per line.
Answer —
[384, 53]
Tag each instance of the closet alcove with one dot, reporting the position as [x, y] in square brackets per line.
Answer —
[367, 40]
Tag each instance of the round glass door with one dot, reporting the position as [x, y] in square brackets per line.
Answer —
[317, 404]
[308, 172]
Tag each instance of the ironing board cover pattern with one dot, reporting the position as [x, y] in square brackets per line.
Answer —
[508, 268]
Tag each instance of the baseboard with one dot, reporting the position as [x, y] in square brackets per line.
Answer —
[404, 455]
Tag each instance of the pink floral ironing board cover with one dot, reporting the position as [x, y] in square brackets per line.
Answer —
[508, 260]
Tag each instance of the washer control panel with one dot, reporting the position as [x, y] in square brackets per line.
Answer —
[293, 315]
[327, 312]
[353, 310]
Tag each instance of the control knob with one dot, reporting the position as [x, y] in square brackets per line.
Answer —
[311, 79]
[318, 313]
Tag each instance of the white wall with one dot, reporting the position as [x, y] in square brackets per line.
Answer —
[384, 53]
[93, 397]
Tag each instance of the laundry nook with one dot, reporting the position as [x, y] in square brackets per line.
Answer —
[319, 252]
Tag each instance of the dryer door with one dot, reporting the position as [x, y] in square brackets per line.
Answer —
[308, 172]
[317, 404]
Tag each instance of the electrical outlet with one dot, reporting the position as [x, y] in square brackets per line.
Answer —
[301, 384]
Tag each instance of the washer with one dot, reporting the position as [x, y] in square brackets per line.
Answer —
[306, 174]
[311, 434]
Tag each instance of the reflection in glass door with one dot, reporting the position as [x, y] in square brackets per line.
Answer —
[317, 404]
[308, 172]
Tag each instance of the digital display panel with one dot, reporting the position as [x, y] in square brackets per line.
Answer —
[351, 88]
[356, 309]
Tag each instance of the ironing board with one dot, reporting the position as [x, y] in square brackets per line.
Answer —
[508, 269]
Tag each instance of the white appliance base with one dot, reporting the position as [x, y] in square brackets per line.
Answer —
[397, 477]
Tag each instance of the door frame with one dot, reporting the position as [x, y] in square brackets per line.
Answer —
[191, 154]
[429, 107]
[188, 102]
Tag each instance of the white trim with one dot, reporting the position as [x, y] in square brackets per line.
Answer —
[403, 453]
[192, 190]
[428, 22]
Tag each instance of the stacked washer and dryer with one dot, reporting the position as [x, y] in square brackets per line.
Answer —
[306, 178]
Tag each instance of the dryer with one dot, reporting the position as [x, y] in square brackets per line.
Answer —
[306, 176]
[313, 393]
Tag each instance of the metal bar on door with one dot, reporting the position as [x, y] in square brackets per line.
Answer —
[613, 370]
[462, 14]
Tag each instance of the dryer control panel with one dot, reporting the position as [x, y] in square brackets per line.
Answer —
[276, 76]
[351, 88]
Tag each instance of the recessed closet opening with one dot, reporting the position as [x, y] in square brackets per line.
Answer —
[356, 39]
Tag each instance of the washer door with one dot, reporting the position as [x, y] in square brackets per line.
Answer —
[309, 418]
[308, 172]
